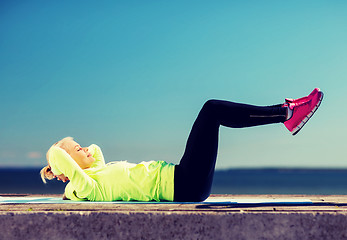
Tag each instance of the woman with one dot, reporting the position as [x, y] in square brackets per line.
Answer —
[91, 179]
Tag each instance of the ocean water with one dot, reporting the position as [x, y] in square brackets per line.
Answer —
[281, 181]
[233, 181]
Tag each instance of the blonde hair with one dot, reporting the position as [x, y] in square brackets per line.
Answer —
[46, 172]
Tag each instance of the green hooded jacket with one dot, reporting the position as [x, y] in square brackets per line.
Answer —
[115, 181]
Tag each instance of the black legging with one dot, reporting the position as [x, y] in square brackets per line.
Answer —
[194, 173]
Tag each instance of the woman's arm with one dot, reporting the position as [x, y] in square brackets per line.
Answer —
[97, 155]
[62, 163]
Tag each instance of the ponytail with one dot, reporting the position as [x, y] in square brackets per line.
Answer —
[46, 173]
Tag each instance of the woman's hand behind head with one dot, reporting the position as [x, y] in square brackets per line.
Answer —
[61, 177]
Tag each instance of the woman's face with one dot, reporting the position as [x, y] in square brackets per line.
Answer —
[81, 155]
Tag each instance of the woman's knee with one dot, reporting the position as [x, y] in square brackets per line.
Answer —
[210, 105]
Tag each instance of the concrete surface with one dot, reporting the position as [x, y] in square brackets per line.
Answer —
[326, 218]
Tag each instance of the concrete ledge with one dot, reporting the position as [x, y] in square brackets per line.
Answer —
[325, 219]
[95, 225]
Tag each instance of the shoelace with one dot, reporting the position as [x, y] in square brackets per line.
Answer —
[291, 105]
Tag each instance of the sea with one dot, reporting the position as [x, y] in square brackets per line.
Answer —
[230, 181]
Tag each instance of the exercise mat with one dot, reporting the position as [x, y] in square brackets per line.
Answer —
[210, 200]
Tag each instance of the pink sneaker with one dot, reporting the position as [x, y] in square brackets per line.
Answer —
[303, 109]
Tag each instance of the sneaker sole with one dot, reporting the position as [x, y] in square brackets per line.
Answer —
[305, 120]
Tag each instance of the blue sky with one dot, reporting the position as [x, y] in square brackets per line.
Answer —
[131, 76]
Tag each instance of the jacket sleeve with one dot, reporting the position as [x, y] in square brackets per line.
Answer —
[97, 155]
[62, 163]
[71, 194]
